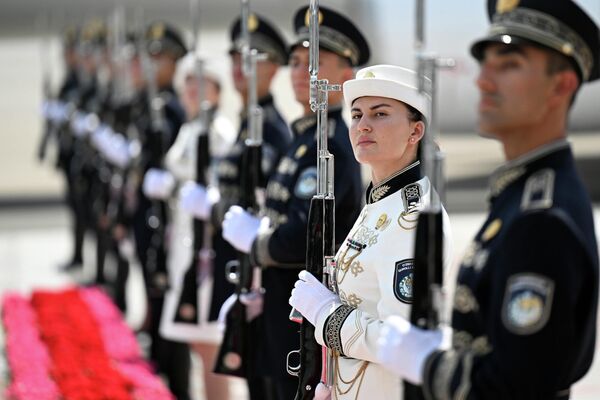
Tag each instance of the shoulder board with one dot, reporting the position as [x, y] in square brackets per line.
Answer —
[538, 193]
[411, 196]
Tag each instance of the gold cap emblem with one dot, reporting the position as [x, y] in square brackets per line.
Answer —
[307, 18]
[506, 5]
[369, 74]
[252, 22]
[492, 229]
[157, 31]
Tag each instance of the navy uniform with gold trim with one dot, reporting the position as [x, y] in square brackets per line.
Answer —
[281, 251]
[276, 139]
[524, 312]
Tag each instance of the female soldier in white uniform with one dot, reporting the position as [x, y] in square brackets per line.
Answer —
[374, 264]
[180, 162]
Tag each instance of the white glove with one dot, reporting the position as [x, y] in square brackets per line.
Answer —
[403, 348]
[55, 111]
[195, 199]
[83, 124]
[46, 108]
[100, 138]
[254, 304]
[240, 228]
[310, 297]
[322, 392]
[117, 151]
[158, 184]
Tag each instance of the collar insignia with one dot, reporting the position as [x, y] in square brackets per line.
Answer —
[379, 192]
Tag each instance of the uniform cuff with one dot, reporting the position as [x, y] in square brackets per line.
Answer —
[259, 254]
[329, 326]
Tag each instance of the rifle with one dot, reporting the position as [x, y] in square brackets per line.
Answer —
[156, 255]
[49, 126]
[236, 354]
[316, 362]
[428, 271]
[187, 306]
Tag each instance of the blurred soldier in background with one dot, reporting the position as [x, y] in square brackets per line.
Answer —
[281, 249]
[212, 204]
[159, 120]
[68, 93]
[181, 167]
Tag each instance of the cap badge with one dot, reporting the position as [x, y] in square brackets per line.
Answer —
[252, 23]
[369, 74]
[307, 18]
[506, 5]
[157, 31]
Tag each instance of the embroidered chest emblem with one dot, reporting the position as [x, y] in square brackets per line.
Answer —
[475, 256]
[464, 300]
[352, 299]
[276, 191]
[365, 235]
[403, 280]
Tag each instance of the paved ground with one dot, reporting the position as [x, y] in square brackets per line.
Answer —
[33, 241]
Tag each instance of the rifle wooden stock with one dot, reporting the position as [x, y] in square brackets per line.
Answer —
[236, 355]
[188, 305]
[320, 244]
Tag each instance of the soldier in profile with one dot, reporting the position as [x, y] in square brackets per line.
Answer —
[524, 311]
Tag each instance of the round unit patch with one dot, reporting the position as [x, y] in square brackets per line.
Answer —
[403, 280]
[306, 186]
[527, 303]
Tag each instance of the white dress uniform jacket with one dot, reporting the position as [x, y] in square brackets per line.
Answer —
[374, 278]
[181, 162]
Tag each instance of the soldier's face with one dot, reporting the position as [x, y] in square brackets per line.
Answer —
[381, 132]
[189, 95]
[137, 75]
[165, 69]
[331, 67]
[265, 71]
[514, 88]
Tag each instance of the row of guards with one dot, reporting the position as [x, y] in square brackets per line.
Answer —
[271, 227]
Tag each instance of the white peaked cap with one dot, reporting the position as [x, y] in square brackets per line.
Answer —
[387, 81]
[186, 66]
